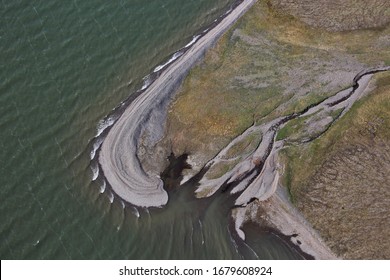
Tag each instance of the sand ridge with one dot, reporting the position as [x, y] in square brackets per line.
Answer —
[118, 154]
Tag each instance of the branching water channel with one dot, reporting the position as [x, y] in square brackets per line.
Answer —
[202, 228]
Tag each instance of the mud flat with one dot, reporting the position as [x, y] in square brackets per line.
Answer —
[118, 154]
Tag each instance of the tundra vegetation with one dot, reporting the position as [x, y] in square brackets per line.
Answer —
[278, 59]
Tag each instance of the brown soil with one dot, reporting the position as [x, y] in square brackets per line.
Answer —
[347, 195]
[337, 15]
[348, 201]
[270, 64]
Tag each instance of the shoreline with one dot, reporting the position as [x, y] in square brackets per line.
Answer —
[256, 179]
[117, 158]
[272, 207]
[280, 216]
[132, 184]
[286, 239]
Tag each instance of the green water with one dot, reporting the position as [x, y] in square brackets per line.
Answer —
[64, 65]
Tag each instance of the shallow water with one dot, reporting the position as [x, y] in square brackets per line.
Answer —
[64, 65]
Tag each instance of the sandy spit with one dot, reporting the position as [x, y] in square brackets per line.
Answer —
[118, 154]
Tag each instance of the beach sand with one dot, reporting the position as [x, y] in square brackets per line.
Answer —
[118, 154]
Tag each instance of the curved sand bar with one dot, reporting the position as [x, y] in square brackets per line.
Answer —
[118, 154]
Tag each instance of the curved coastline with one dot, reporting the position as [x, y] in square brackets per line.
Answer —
[255, 180]
[118, 153]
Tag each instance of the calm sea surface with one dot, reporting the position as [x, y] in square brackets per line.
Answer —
[64, 65]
